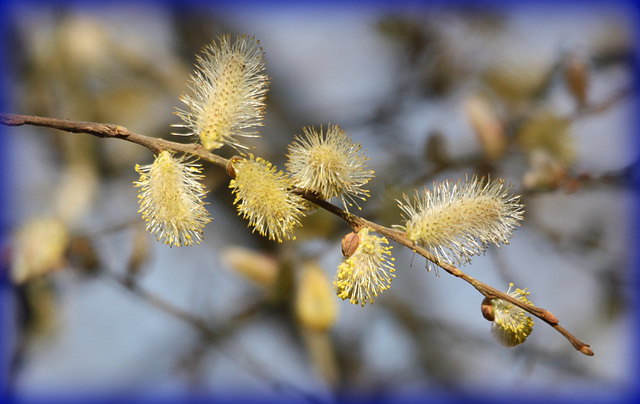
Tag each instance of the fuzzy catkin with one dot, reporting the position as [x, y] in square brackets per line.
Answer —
[457, 221]
[227, 93]
[171, 200]
[263, 197]
[330, 164]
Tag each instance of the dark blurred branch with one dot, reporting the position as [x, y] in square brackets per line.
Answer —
[602, 106]
[221, 334]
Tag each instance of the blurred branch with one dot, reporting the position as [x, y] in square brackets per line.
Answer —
[213, 336]
[602, 106]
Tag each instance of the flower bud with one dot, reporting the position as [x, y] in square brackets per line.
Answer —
[231, 169]
[576, 76]
[259, 268]
[550, 317]
[350, 244]
[487, 309]
[436, 149]
[487, 127]
[39, 248]
[315, 306]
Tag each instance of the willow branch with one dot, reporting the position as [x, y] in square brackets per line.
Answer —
[110, 131]
[484, 289]
[157, 145]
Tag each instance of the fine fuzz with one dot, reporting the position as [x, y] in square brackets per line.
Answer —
[367, 272]
[329, 164]
[511, 325]
[171, 200]
[457, 221]
[263, 197]
[228, 90]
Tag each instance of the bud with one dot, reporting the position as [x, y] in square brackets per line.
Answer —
[38, 248]
[436, 149]
[76, 192]
[139, 253]
[231, 170]
[586, 350]
[487, 127]
[350, 244]
[487, 309]
[259, 268]
[551, 134]
[83, 255]
[550, 317]
[576, 76]
[315, 306]
[545, 171]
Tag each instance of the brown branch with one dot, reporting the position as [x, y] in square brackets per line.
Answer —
[106, 131]
[484, 289]
[601, 106]
[156, 145]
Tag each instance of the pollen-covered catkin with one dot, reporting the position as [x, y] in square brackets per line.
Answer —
[171, 199]
[367, 271]
[263, 197]
[329, 164]
[511, 325]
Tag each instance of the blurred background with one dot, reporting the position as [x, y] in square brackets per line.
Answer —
[538, 95]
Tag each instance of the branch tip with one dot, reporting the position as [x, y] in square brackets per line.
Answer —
[549, 317]
[586, 350]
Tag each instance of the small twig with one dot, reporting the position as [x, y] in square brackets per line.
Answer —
[602, 106]
[356, 222]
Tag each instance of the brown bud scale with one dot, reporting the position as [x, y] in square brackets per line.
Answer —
[350, 244]
[487, 309]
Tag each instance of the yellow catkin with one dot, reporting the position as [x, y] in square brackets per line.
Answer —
[366, 273]
[263, 197]
[172, 200]
[511, 325]
[315, 305]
